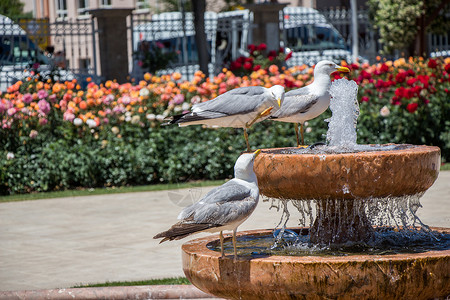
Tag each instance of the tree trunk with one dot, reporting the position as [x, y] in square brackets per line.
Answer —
[199, 7]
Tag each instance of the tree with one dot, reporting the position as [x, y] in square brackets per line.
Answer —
[199, 7]
[13, 9]
[403, 24]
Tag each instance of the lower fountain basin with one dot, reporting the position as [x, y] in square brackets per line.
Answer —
[401, 276]
[402, 170]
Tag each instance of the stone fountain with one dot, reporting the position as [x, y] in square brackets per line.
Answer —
[342, 180]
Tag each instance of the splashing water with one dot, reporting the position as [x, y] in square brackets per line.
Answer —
[345, 109]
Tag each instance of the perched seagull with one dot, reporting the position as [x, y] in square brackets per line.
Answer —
[238, 108]
[308, 102]
[223, 208]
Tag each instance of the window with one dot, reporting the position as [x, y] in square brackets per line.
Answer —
[105, 3]
[83, 6]
[141, 4]
[61, 9]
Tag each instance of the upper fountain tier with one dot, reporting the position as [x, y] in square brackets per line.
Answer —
[404, 170]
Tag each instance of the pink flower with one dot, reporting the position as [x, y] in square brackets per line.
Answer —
[43, 121]
[53, 98]
[108, 99]
[68, 116]
[42, 94]
[178, 99]
[196, 99]
[11, 111]
[44, 107]
[126, 100]
[27, 98]
[33, 134]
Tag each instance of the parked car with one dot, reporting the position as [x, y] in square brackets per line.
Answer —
[19, 55]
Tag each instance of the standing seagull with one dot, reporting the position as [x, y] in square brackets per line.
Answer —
[223, 208]
[238, 108]
[306, 103]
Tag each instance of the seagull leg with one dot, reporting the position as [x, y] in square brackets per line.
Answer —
[222, 254]
[296, 134]
[301, 132]
[246, 139]
[234, 244]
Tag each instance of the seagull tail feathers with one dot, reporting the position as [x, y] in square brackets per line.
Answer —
[173, 119]
[182, 230]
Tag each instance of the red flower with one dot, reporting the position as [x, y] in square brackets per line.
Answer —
[272, 53]
[248, 66]
[400, 92]
[411, 73]
[256, 68]
[384, 68]
[252, 48]
[365, 99]
[412, 107]
[447, 68]
[262, 47]
[395, 100]
[400, 77]
[432, 63]
[411, 81]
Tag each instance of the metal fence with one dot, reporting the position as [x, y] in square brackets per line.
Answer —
[166, 42]
[60, 50]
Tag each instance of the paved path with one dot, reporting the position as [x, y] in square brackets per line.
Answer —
[60, 243]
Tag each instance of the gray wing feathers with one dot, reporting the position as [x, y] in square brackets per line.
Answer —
[228, 192]
[223, 205]
[237, 101]
[296, 92]
[293, 105]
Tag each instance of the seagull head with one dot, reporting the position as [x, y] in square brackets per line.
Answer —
[277, 92]
[243, 168]
[327, 67]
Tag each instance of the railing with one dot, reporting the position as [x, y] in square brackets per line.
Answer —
[60, 50]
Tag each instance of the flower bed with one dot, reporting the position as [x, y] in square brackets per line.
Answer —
[58, 135]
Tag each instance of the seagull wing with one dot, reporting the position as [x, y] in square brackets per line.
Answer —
[295, 104]
[228, 203]
[238, 101]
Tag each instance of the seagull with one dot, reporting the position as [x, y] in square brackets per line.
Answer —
[308, 102]
[223, 208]
[238, 108]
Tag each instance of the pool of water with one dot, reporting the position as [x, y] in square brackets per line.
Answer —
[325, 149]
[388, 240]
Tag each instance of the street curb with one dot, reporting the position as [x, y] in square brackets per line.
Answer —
[110, 293]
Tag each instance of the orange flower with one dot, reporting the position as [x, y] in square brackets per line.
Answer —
[83, 105]
[273, 69]
[176, 76]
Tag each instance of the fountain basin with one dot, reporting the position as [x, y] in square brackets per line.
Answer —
[401, 276]
[370, 174]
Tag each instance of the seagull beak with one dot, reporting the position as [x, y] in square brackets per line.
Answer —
[256, 153]
[279, 102]
[342, 69]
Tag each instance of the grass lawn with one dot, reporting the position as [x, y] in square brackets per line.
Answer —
[164, 281]
[115, 190]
